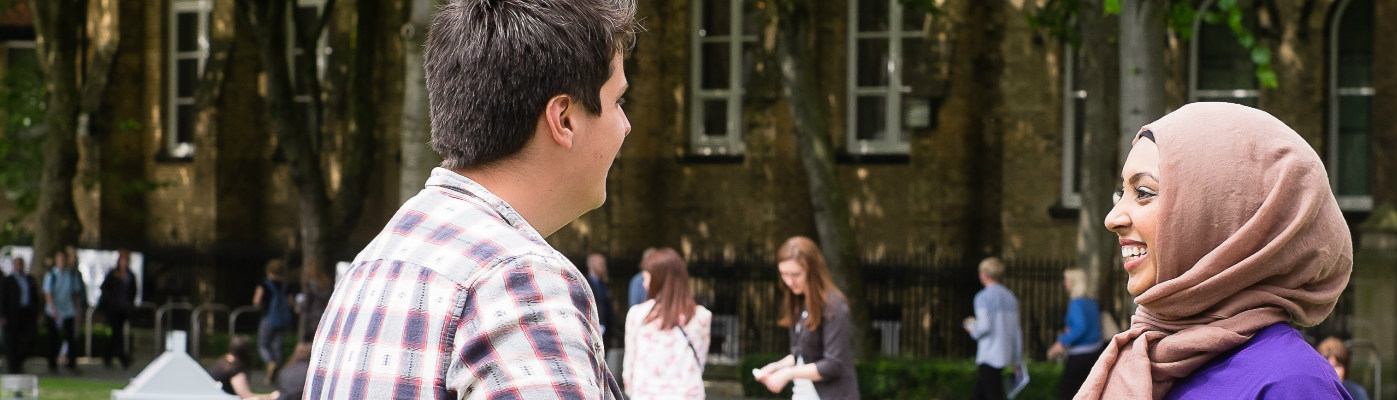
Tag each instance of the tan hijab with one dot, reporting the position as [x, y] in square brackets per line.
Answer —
[1249, 235]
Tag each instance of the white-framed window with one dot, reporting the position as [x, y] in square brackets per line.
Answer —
[1220, 69]
[1074, 104]
[882, 33]
[187, 51]
[722, 41]
[1349, 137]
[307, 13]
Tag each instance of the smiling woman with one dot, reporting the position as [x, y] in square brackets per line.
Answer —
[1230, 234]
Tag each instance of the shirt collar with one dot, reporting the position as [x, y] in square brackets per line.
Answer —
[460, 184]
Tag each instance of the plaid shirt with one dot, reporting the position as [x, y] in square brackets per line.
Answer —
[459, 297]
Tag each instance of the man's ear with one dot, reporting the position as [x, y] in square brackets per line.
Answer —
[558, 116]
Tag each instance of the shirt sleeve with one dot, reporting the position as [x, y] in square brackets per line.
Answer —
[1076, 324]
[982, 325]
[834, 332]
[1303, 387]
[529, 331]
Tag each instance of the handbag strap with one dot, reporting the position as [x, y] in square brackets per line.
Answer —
[691, 346]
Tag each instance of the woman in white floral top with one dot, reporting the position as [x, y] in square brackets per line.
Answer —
[667, 335]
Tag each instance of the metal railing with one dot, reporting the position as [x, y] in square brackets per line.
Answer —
[160, 322]
[198, 324]
[126, 333]
[1375, 358]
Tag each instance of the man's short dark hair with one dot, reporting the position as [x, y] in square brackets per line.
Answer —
[492, 65]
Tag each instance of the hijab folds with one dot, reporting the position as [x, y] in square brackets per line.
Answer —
[1249, 235]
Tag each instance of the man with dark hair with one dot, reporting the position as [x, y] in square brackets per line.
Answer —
[460, 296]
[19, 313]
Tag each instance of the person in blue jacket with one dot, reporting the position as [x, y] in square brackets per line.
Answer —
[1081, 341]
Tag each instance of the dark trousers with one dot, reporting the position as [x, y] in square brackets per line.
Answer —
[989, 383]
[1074, 374]
[116, 345]
[57, 337]
[19, 339]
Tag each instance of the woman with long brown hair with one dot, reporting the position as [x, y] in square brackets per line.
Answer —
[821, 363]
[666, 336]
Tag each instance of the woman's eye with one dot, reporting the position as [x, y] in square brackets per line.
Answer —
[1144, 192]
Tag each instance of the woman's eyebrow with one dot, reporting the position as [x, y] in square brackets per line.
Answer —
[1134, 179]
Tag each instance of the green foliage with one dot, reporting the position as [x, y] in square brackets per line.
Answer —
[22, 102]
[1229, 12]
[1058, 18]
[909, 378]
[1181, 16]
[1112, 7]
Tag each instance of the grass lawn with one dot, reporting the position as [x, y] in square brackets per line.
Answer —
[61, 388]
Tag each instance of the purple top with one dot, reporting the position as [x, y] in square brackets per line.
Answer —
[1274, 364]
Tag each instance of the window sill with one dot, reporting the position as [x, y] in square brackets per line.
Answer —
[884, 159]
[712, 159]
[166, 158]
[1061, 211]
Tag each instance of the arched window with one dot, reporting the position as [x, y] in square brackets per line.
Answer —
[1220, 69]
[1349, 137]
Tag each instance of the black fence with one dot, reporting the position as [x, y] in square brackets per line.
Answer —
[917, 304]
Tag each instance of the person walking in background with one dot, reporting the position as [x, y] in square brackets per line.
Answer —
[1081, 342]
[230, 371]
[995, 327]
[667, 336]
[273, 297]
[596, 278]
[636, 290]
[1230, 234]
[116, 302]
[821, 363]
[461, 296]
[316, 287]
[1334, 350]
[19, 313]
[66, 294]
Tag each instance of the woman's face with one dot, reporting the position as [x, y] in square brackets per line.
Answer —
[793, 275]
[1136, 214]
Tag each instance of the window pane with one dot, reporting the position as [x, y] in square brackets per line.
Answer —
[873, 15]
[1222, 62]
[913, 17]
[715, 118]
[751, 18]
[873, 62]
[184, 123]
[871, 114]
[1356, 45]
[186, 77]
[749, 60]
[716, 17]
[186, 31]
[715, 66]
[1355, 145]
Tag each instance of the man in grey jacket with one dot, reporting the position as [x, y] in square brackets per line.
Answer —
[995, 327]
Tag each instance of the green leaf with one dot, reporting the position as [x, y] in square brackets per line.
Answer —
[1212, 17]
[1246, 39]
[1112, 7]
[1227, 4]
[1234, 20]
[1267, 77]
[1261, 55]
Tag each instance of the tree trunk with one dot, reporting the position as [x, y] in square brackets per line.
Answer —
[1142, 38]
[60, 26]
[418, 158]
[268, 18]
[325, 220]
[827, 198]
[1099, 70]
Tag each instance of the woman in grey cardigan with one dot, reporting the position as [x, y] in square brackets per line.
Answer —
[821, 364]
